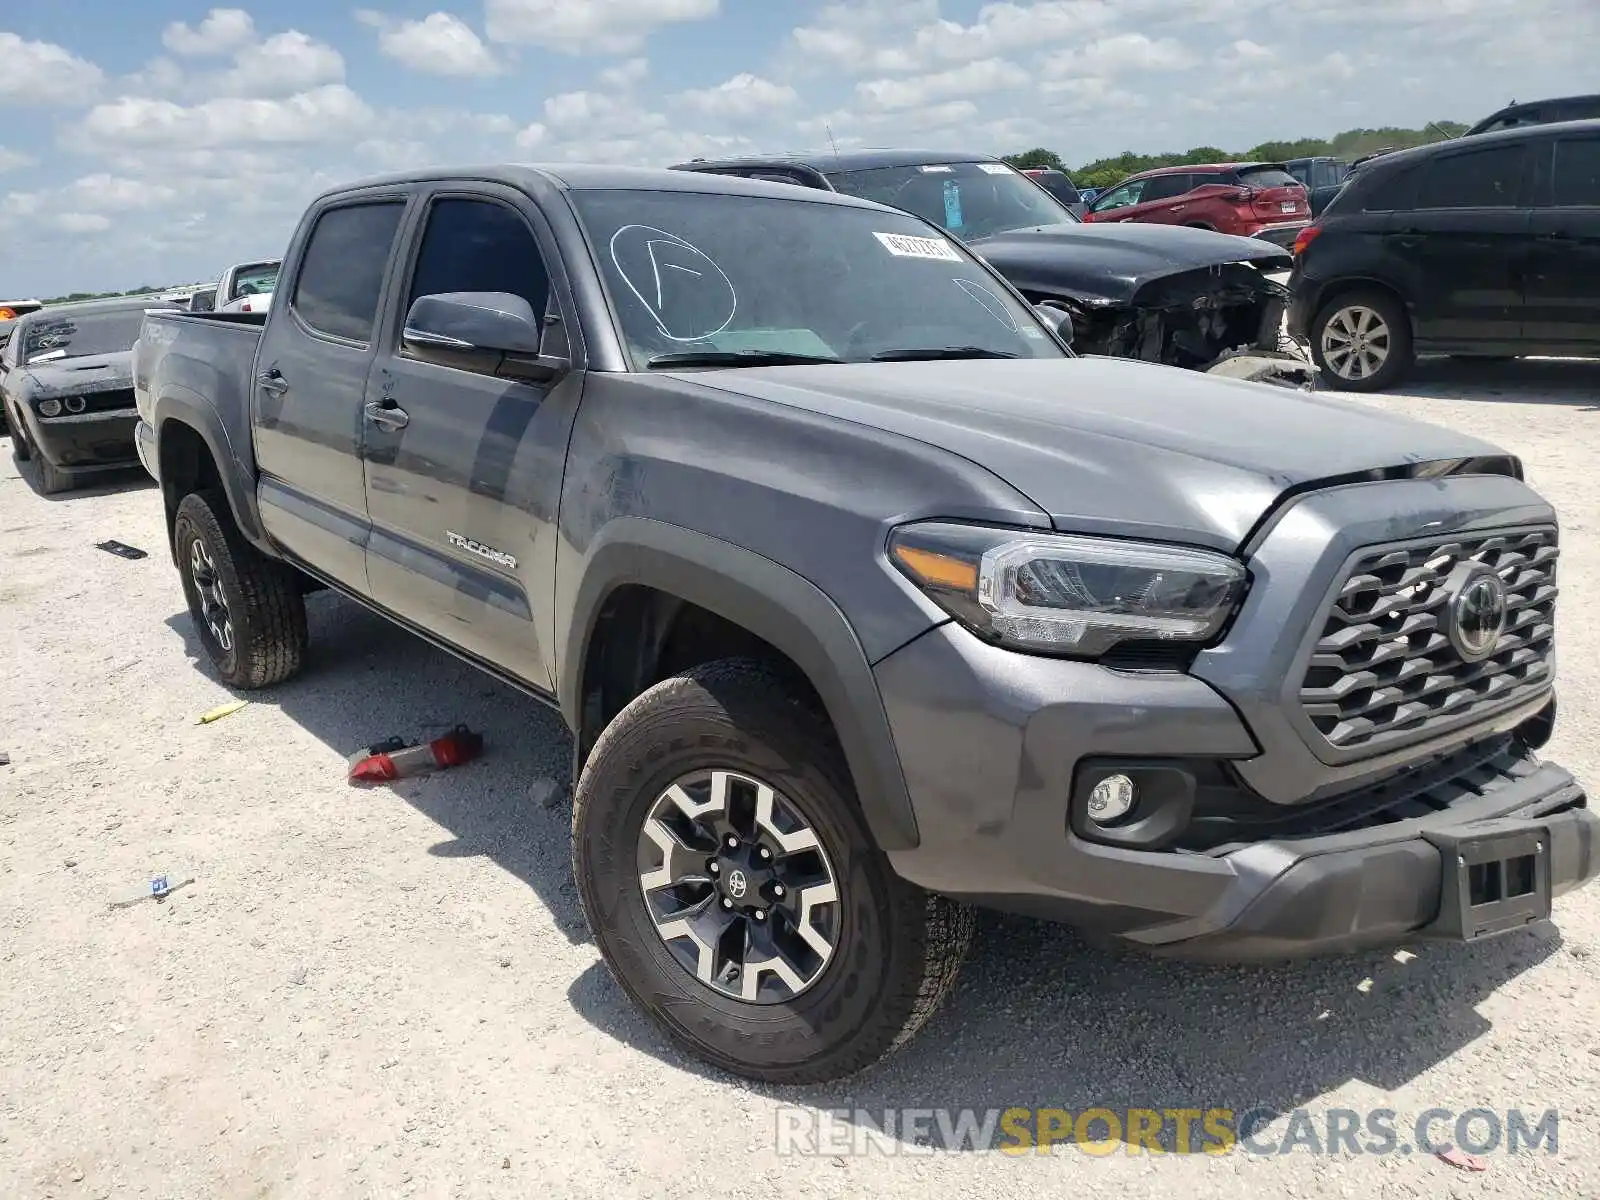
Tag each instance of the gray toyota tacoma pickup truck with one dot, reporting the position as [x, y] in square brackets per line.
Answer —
[866, 600]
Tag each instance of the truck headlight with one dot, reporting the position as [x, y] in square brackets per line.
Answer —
[1060, 594]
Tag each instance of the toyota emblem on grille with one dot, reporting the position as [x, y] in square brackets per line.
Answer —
[1478, 615]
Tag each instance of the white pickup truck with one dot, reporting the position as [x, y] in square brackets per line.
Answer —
[247, 287]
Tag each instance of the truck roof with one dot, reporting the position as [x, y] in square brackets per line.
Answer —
[845, 160]
[585, 177]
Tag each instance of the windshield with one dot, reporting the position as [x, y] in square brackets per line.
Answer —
[255, 281]
[971, 199]
[76, 336]
[695, 273]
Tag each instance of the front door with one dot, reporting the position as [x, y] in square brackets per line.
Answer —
[312, 369]
[463, 493]
[1464, 246]
[1564, 277]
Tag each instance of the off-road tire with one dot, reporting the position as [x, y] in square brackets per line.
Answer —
[1401, 354]
[264, 602]
[899, 950]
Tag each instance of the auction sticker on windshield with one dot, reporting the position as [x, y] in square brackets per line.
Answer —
[994, 168]
[903, 245]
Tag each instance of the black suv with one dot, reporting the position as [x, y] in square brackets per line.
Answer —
[1539, 112]
[1485, 247]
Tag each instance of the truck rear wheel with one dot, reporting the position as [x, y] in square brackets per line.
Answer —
[733, 888]
[247, 609]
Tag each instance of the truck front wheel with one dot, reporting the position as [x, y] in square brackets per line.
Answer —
[247, 609]
[733, 888]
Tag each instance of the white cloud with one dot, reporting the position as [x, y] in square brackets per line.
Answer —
[872, 35]
[44, 73]
[975, 78]
[223, 30]
[393, 154]
[626, 74]
[326, 113]
[1119, 54]
[283, 65]
[439, 44]
[744, 95]
[76, 222]
[588, 26]
[14, 160]
[531, 135]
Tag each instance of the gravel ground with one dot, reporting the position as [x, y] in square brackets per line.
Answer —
[392, 992]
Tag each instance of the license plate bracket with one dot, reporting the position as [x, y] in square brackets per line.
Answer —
[1288, 205]
[1494, 877]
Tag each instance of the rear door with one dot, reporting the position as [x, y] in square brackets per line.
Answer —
[463, 494]
[1464, 246]
[1563, 297]
[312, 365]
[1163, 201]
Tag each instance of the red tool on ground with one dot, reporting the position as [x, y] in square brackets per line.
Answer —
[394, 759]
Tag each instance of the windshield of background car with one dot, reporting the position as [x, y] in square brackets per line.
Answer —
[78, 335]
[255, 281]
[971, 200]
[697, 271]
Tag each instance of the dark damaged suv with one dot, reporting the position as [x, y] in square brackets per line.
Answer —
[863, 597]
[1164, 293]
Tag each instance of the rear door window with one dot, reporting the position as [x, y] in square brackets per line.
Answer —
[1165, 187]
[1489, 178]
[1577, 173]
[341, 275]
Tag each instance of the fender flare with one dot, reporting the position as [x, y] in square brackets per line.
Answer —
[779, 606]
[190, 409]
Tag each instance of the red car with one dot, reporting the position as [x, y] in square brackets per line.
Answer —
[1250, 199]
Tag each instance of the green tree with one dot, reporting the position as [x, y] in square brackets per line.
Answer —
[1031, 159]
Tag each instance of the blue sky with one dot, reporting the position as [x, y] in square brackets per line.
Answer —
[154, 142]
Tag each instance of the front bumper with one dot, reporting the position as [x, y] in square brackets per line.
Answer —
[990, 742]
[87, 441]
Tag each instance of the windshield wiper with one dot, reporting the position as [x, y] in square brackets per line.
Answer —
[736, 358]
[929, 353]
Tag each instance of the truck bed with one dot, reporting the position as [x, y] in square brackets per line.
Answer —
[202, 360]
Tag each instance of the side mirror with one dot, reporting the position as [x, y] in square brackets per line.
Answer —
[466, 328]
[1056, 318]
[464, 322]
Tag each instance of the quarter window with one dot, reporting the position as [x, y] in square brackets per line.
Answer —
[1577, 178]
[341, 275]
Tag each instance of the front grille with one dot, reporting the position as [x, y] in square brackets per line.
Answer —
[1384, 668]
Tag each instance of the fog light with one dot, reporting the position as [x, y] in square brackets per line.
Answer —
[1111, 799]
[75, 404]
[49, 408]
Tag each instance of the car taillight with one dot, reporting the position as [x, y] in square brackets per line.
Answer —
[1305, 237]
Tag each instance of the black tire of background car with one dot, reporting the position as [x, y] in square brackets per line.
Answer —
[52, 480]
[1402, 355]
[20, 450]
[900, 948]
[264, 597]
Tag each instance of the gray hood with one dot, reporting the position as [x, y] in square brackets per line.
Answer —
[1112, 261]
[1108, 445]
[81, 376]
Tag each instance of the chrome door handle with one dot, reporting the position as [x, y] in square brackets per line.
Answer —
[272, 382]
[387, 416]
